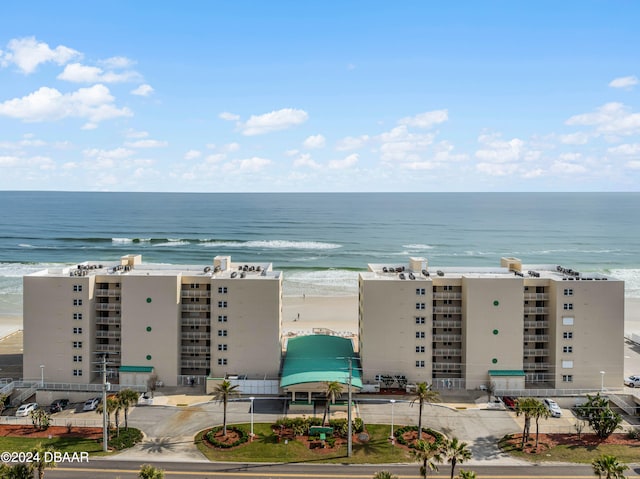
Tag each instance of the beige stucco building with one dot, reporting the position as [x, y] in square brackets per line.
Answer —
[513, 326]
[184, 321]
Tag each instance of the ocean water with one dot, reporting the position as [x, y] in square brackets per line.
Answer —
[320, 240]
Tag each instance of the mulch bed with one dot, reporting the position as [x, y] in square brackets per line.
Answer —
[232, 436]
[18, 430]
[548, 441]
[412, 436]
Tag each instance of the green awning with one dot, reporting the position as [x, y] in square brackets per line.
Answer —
[320, 358]
[506, 372]
[136, 369]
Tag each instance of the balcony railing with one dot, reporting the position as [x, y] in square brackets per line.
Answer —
[196, 335]
[107, 292]
[536, 324]
[536, 296]
[536, 352]
[538, 338]
[196, 307]
[443, 323]
[456, 338]
[106, 348]
[108, 306]
[108, 334]
[447, 352]
[447, 310]
[195, 363]
[536, 310]
[447, 295]
[195, 349]
[446, 367]
[535, 366]
[108, 319]
[195, 293]
[196, 321]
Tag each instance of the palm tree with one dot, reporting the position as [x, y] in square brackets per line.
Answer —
[455, 452]
[17, 471]
[467, 475]
[147, 471]
[221, 394]
[112, 406]
[526, 407]
[424, 393]
[429, 454]
[332, 392]
[40, 452]
[128, 398]
[608, 467]
[384, 475]
[539, 412]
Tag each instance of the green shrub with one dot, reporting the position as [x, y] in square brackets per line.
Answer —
[127, 438]
[243, 437]
[634, 433]
[398, 433]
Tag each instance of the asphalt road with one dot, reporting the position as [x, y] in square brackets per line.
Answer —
[109, 469]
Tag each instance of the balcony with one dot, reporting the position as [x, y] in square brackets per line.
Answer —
[536, 296]
[447, 310]
[195, 363]
[196, 307]
[108, 348]
[536, 352]
[108, 319]
[108, 334]
[536, 310]
[536, 338]
[195, 293]
[196, 321]
[535, 366]
[109, 293]
[447, 295]
[536, 324]
[195, 349]
[446, 367]
[441, 323]
[108, 307]
[204, 335]
[455, 338]
[447, 352]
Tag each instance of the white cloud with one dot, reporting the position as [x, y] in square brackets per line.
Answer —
[398, 144]
[567, 168]
[578, 138]
[496, 150]
[497, 169]
[624, 82]
[143, 90]
[420, 165]
[94, 103]
[115, 154]
[28, 53]
[633, 164]
[131, 133]
[347, 162]
[192, 155]
[231, 147]
[225, 115]
[426, 119]
[147, 144]
[215, 158]
[625, 149]
[8, 161]
[252, 165]
[78, 73]
[352, 143]
[115, 63]
[273, 121]
[314, 141]
[304, 160]
[611, 119]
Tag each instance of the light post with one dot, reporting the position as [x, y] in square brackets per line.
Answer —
[602, 373]
[252, 398]
[42, 375]
[392, 401]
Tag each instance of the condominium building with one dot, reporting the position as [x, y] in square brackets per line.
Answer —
[514, 326]
[183, 321]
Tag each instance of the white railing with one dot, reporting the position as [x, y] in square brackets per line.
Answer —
[195, 349]
[447, 309]
[535, 310]
[536, 352]
[533, 366]
[108, 320]
[196, 321]
[447, 295]
[108, 334]
[447, 324]
[101, 348]
[549, 392]
[536, 296]
[196, 335]
[536, 324]
[195, 363]
[196, 307]
[447, 352]
[446, 367]
[27, 393]
[447, 337]
[108, 292]
[195, 293]
[108, 306]
[536, 337]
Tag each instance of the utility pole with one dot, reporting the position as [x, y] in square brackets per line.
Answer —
[350, 428]
[105, 416]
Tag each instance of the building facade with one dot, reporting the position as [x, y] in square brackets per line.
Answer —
[513, 326]
[184, 321]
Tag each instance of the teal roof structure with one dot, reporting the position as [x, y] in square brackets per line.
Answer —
[320, 358]
[136, 369]
[506, 372]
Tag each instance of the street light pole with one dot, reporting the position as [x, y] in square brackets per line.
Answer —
[252, 398]
[602, 373]
[350, 427]
[392, 401]
[105, 415]
[42, 375]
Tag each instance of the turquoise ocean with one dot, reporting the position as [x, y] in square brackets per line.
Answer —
[320, 240]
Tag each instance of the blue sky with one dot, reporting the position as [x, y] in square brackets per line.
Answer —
[320, 96]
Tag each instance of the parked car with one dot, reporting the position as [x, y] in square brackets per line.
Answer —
[58, 405]
[552, 407]
[509, 401]
[632, 381]
[26, 409]
[91, 404]
[495, 403]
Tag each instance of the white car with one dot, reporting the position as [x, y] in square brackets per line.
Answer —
[26, 409]
[632, 381]
[552, 407]
[91, 404]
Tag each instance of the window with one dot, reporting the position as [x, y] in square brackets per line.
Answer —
[419, 364]
[77, 344]
[420, 349]
[77, 330]
[77, 316]
[222, 304]
[77, 372]
[222, 289]
[420, 334]
[567, 349]
[567, 335]
[77, 287]
[222, 347]
[222, 319]
[77, 359]
[567, 321]
[567, 364]
[567, 378]
[420, 306]
[194, 286]
[420, 291]
[568, 306]
[420, 320]
[222, 361]
[222, 332]
[568, 292]
[77, 302]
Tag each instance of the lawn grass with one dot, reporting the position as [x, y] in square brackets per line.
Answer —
[574, 453]
[266, 448]
[63, 444]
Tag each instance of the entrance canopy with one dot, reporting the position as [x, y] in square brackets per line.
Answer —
[319, 359]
